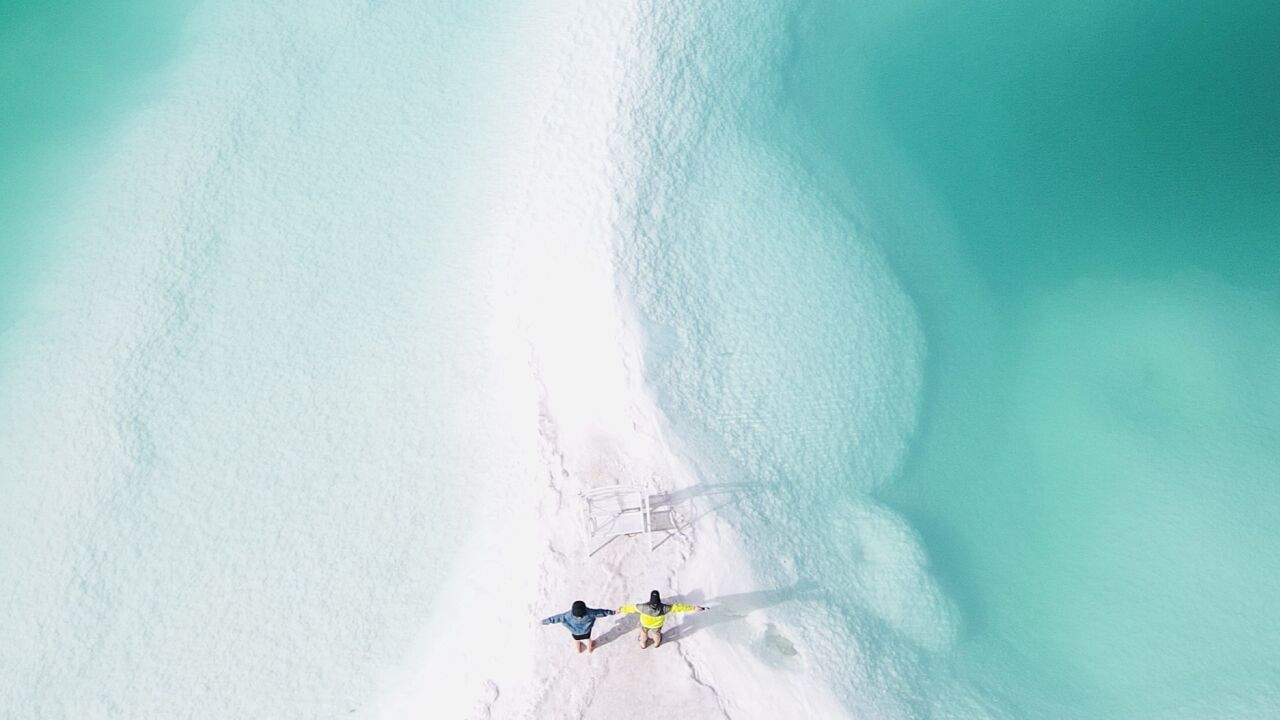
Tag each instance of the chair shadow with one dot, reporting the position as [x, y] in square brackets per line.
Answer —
[675, 512]
[730, 608]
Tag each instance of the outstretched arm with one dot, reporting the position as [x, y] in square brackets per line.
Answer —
[553, 619]
[600, 612]
[687, 608]
[627, 609]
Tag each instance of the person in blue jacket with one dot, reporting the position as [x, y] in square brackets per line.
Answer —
[579, 620]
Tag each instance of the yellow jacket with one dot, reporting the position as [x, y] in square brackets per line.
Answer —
[653, 619]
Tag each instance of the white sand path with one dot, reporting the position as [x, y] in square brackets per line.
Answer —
[576, 358]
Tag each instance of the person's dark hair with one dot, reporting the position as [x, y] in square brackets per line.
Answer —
[579, 608]
[655, 600]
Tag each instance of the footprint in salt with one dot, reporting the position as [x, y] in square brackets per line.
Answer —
[485, 709]
[778, 642]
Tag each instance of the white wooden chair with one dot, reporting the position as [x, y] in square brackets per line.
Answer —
[617, 510]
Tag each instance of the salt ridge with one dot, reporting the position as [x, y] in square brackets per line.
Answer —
[582, 354]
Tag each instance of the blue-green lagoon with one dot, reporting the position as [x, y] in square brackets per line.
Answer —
[1083, 201]
[70, 72]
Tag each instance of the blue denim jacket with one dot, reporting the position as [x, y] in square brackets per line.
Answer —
[578, 625]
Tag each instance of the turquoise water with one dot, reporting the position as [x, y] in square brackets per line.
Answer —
[69, 72]
[250, 391]
[1082, 204]
[1095, 471]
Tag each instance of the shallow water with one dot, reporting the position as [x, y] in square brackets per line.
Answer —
[69, 73]
[1083, 202]
[252, 395]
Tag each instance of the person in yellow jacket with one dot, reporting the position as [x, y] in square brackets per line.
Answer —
[652, 616]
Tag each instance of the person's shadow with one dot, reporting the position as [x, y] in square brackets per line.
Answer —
[624, 625]
[730, 608]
